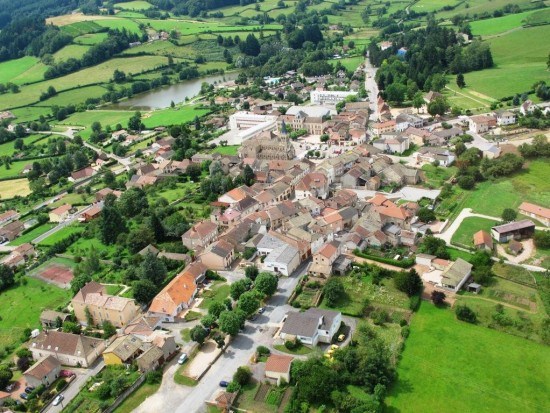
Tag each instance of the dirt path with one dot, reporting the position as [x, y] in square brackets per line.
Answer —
[528, 251]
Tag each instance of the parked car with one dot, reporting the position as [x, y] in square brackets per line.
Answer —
[224, 383]
[24, 396]
[58, 399]
[66, 373]
[341, 337]
[29, 389]
[182, 358]
[261, 310]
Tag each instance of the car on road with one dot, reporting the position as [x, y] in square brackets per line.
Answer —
[224, 383]
[182, 358]
[24, 396]
[58, 399]
[29, 389]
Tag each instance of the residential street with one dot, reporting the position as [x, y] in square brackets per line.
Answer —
[181, 399]
[82, 376]
[61, 225]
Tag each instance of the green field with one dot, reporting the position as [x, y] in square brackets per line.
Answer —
[80, 28]
[350, 63]
[92, 75]
[499, 24]
[530, 185]
[133, 5]
[29, 113]
[119, 24]
[7, 149]
[75, 51]
[60, 235]
[231, 150]
[137, 397]
[22, 305]
[90, 39]
[75, 95]
[452, 366]
[519, 55]
[437, 176]
[432, 5]
[218, 292]
[166, 117]
[14, 169]
[29, 236]
[10, 69]
[465, 233]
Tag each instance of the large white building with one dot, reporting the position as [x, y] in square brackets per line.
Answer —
[328, 97]
[250, 124]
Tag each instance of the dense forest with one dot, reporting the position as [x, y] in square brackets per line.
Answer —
[12, 10]
[425, 55]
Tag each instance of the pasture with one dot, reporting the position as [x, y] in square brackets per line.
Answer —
[14, 187]
[22, 305]
[75, 95]
[29, 113]
[31, 235]
[531, 184]
[75, 51]
[82, 27]
[519, 55]
[497, 25]
[90, 39]
[167, 117]
[133, 5]
[91, 75]
[14, 169]
[350, 63]
[494, 371]
[11, 69]
[120, 24]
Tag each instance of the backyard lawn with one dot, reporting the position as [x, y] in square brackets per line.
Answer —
[464, 235]
[360, 288]
[218, 292]
[452, 366]
[60, 235]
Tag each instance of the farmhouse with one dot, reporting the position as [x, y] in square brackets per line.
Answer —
[312, 326]
[9, 216]
[175, 297]
[537, 212]
[92, 301]
[60, 213]
[505, 117]
[11, 231]
[513, 230]
[69, 349]
[43, 372]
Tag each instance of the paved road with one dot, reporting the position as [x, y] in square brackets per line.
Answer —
[60, 226]
[372, 89]
[181, 399]
[82, 376]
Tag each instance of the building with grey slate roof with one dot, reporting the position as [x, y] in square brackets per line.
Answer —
[311, 326]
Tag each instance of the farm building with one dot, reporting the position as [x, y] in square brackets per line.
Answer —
[513, 230]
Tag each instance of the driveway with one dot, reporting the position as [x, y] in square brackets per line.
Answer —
[528, 251]
[82, 376]
[448, 233]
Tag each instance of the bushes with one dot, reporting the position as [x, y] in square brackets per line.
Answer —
[465, 313]
[406, 263]
[414, 302]
[242, 376]
[263, 351]
[154, 377]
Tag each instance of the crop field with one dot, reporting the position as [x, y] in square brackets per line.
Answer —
[10, 69]
[14, 187]
[22, 305]
[75, 51]
[499, 24]
[92, 75]
[465, 233]
[90, 39]
[133, 5]
[172, 117]
[519, 55]
[493, 370]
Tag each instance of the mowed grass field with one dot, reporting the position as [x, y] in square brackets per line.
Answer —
[468, 227]
[166, 117]
[91, 38]
[133, 5]
[75, 51]
[520, 60]
[22, 305]
[12, 68]
[350, 63]
[15, 169]
[497, 25]
[92, 75]
[452, 366]
[531, 184]
[14, 187]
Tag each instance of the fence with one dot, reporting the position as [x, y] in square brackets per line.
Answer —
[118, 401]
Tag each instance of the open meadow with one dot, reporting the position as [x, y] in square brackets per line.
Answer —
[452, 366]
[14, 187]
[465, 233]
[22, 305]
